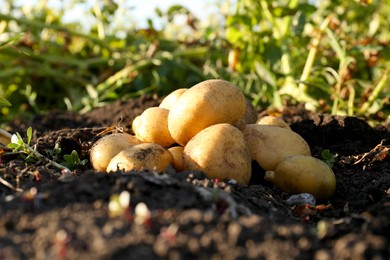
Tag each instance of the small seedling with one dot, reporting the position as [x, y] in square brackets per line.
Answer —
[55, 152]
[28, 153]
[72, 160]
[23, 148]
[328, 157]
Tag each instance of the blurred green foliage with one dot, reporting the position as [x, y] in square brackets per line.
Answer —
[331, 55]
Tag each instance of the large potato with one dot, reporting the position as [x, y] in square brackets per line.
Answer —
[146, 156]
[221, 152]
[269, 145]
[207, 103]
[107, 147]
[152, 127]
[304, 174]
[169, 101]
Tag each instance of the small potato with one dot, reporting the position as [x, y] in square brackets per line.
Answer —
[304, 174]
[269, 145]
[207, 103]
[146, 156]
[221, 152]
[169, 101]
[152, 127]
[178, 160]
[273, 120]
[107, 147]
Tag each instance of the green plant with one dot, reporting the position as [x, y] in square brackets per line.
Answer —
[321, 53]
[328, 157]
[71, 160]
[19, 146]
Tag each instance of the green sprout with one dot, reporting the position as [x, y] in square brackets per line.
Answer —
[328, 157]
[72, 160]
[19, 146]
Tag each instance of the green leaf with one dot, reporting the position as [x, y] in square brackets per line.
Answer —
[12, 145]
[328, 157]
[72, 158]
[4, 102]
[29, 135]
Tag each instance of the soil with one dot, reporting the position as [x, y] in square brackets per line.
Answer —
[46, 213]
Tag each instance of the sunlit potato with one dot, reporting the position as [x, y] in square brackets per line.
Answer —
[269, 145]
[152, 127]
[104, 149]
[169, 101]
[178, 160]
[304, 174]
[221, 152]
[207, 103]
[273, 120]
[145, 156]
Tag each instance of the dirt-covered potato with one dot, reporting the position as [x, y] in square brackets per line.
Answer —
[304, 174]
[146, 156]
[178, 160]
[273, 120]
[269, 145]
[107, 147]
[172, 98]
[152, 127]
[250, 116]
[207, 103]
[221, 152]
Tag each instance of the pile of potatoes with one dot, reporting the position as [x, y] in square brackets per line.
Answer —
[213, 128]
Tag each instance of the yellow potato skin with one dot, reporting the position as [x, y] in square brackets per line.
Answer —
[273, 120]
[169, 101]
[269, 145]
[207, 103]
[104, 149]
[221, 152]
[146, 156]
[178, 160]
[152, 127]
[304, 174]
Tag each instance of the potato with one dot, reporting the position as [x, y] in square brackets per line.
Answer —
[269, 145]
[273, 120]
[169, 101]
[146, 156]
[304, 174]
[107, 147]
[207, 103]
[152, 127]
[221, 152]
[178, 160]
[250, 116]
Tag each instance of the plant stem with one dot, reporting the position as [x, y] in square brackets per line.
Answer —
[375, 93]
[5, 137]
[9, 185]
[312, 55]
[37, 155]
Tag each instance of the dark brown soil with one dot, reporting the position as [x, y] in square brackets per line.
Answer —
[49, 214]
